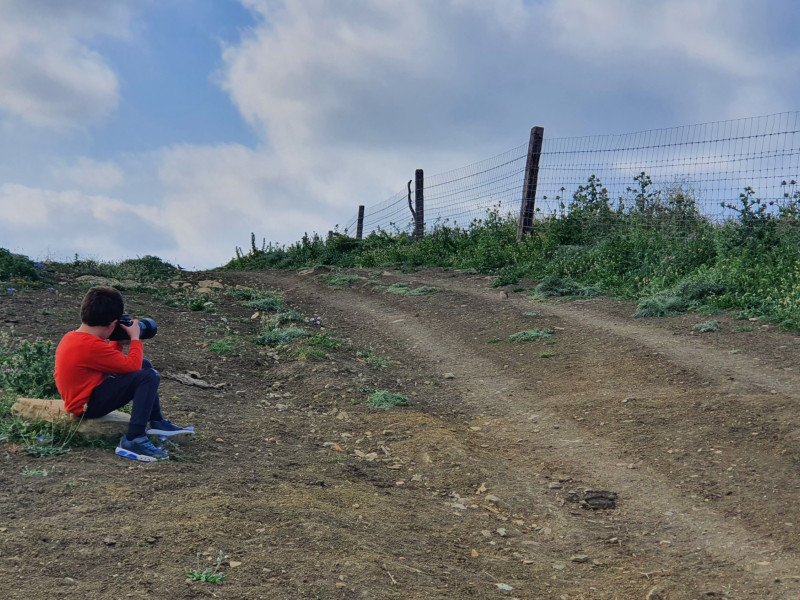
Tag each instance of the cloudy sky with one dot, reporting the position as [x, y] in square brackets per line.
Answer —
[177, 127]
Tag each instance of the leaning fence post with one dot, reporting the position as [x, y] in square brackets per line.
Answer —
[531, 179]
[360, 227]
[419, 205]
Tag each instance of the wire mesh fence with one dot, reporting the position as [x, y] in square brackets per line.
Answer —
[710, 164]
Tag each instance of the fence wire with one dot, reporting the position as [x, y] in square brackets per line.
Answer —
[712, 163]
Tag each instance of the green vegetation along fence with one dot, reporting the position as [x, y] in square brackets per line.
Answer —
[709, 166]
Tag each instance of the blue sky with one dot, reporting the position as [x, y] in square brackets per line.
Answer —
[177, 127]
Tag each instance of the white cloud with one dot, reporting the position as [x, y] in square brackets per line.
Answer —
[90, 174]
[49, 75]
[71, 221]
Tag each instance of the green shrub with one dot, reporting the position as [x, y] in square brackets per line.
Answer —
[26, 367]
[530, 335]
[384, 399]
[16, 266]
[266, 303]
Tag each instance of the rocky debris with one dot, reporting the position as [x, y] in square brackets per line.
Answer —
[598, 499]
[193, 378]
[209, 285]
[107, 281]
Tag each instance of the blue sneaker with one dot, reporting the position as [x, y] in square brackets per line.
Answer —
[140, 449]
[164, 428]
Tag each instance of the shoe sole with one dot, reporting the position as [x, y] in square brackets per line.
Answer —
[133, 455]
[184, 435]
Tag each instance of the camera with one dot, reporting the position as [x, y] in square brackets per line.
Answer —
[147, 328]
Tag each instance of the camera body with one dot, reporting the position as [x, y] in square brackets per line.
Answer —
[147, 329]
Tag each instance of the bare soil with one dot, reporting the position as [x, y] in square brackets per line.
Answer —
[473, 491]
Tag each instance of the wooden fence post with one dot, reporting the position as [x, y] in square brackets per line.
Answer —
[419, 205]
[360, 228]
[531, 179]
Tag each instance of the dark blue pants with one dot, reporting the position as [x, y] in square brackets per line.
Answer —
[116, 391]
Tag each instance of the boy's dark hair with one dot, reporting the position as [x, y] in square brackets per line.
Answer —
[101, 305]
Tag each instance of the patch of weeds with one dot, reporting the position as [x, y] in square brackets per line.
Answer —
[263, 301]
[493, 340]
[280, 336]
[39, 471]
[404, 289]
[384, 399]
[505, 279]
[26, 367]
[744, 328]
[564, 286]
[551, 342]
[424, 290]
[706, 327]
[546, 355]
[209, 575]
[223, 347]
[687, 294]
[530, 335]
[374, 361]
[289, 316]
[517, 289]
[340, 278]
[326, 341]
[400, 288]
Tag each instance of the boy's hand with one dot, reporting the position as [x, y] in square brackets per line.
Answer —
[132, 330]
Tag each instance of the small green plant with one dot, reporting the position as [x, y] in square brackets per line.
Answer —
[546, 355]
[384, 399]
[266, 302]
[280, 336]
[374, 361]
[530, 335]
[685, 295]
[564, 286]
[340, 278]
[706, 327]
[289, 316]
[223, 347]
[33, 472]
[326, 341]
[404, 289]
[493, 340]
[743, 328]
[209, 575]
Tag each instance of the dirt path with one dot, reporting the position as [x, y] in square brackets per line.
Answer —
[470, 492]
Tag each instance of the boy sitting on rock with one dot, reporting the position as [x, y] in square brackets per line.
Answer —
[94, 376]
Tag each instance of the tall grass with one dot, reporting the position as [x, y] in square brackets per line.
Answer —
[651, 241]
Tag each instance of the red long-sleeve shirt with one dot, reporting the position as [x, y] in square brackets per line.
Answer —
[82, 362]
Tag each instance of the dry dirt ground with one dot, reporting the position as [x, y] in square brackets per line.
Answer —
[473, 491]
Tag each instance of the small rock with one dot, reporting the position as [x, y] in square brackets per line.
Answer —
[579, 558]
[554, 485]
[504, 586]
[474, 553]
[502, 532]
[341, 584]
[70, 581]
[220, 440]
[235, 563]
[449, 376]
[109, 541]
[493, 499]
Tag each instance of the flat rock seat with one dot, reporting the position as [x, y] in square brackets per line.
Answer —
[112, 425]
